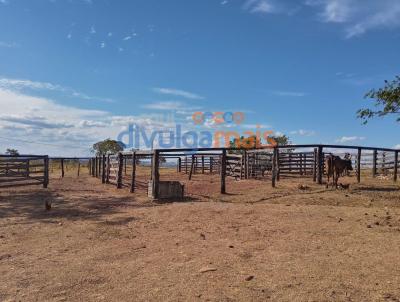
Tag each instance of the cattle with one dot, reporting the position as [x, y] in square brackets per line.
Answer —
[335, 166]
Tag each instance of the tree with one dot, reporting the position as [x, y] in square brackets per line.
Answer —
[252, 142]
[12, 152]
[386, 101]
[281, 140]
[108, 145]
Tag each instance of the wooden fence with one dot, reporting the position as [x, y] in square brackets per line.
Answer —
[24, 170]
[274, 163]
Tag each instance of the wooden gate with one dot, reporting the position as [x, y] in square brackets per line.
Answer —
[16, 171]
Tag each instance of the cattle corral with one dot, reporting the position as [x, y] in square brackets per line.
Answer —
[275, 234]
[271, 164]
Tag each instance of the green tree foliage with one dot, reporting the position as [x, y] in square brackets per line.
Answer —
[108, 145]
[386, 101]
[12, 152]
[281, 140]
[252, 142]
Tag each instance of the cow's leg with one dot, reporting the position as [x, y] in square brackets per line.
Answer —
[337, 178]
[327, 181]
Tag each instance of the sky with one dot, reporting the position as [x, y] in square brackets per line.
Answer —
[73, 72]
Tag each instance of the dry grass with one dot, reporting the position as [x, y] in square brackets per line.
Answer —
[254, 244]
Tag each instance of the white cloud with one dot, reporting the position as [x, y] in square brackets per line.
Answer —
[255, 126]
[37, 125]
[347, 139]
[359, 16]
[92, 30]
[169, 105]
[110, 34]
[178, 107]
[289, 93]
[102, 44]
[177, 92]
[224, 2]
[127, 38]
[259, 6]
[3, 1]
[69, 36]
[302, 132]
[22, 84]
[397, 146]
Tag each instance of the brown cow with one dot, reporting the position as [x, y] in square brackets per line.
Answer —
[335, 166]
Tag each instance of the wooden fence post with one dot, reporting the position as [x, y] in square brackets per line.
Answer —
[384, 171]
[125, 164]
[96, 167]
[192, 167]
[245, 164]
[278, 172]
[79, 167]
[320, 164]
[202, 164]
[211, 164]
[133, 172]
[99, 171]
[359, 165]
[179, 165]
[396, 165]
[155, 173]
[46, 172]
[315, 164]
[62, 168]
[103, 169]
[274, 162]
[223, 172]
[374, 158]
[108, 169]
[120, 168]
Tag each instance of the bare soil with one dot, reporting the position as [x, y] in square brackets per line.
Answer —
[297, 242]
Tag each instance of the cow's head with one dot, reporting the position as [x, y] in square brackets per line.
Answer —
[349, 165]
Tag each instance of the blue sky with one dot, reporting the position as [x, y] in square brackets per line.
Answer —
[74, 72]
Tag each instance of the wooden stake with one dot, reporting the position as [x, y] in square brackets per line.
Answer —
[396, 165]
[274, 159]
[62, 168]
[192, 167]
[320, 164]
[359, 165]
[133, 176]
[103, 169]
[155, 173]
[46, 172]
[223, 172]
[120, 168]
[315, 165]
[374, 158]
[108, 169]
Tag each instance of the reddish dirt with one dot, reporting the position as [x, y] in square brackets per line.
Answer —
[254, 244]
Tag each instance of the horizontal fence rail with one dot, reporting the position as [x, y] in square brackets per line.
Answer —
[25, 170]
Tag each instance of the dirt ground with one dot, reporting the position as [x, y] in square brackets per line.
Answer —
[255, 243]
